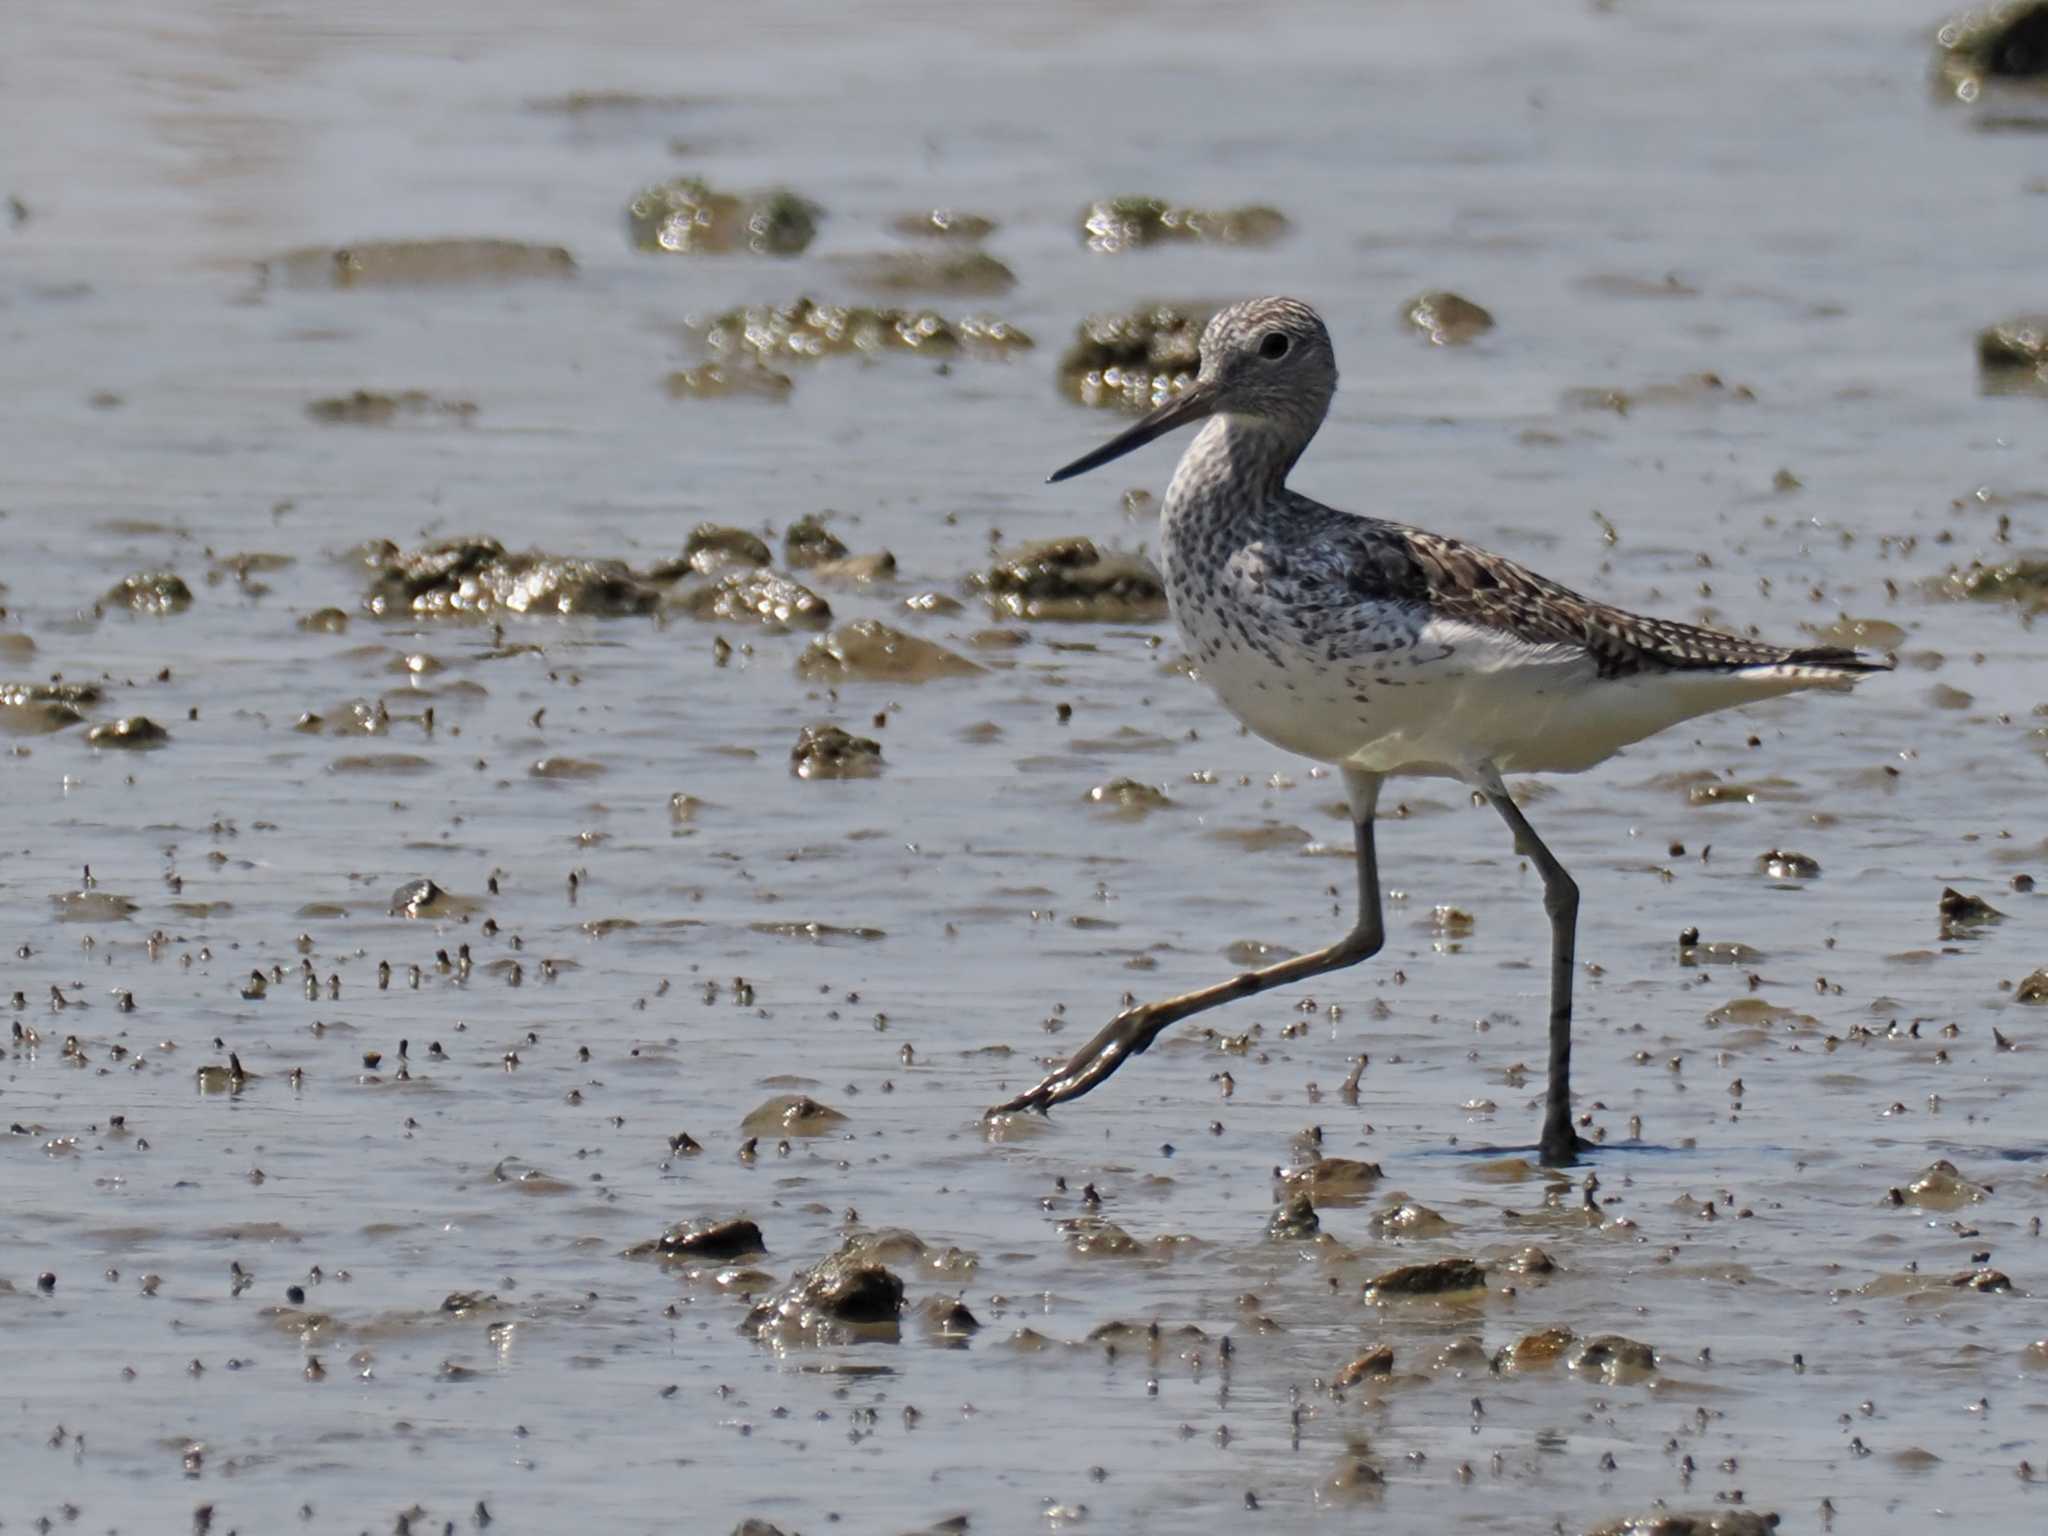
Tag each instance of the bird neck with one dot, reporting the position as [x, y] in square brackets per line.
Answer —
[1237, 456]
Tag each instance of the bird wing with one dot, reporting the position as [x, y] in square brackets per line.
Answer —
[1357, 565]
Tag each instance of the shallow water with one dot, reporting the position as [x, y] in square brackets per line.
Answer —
[1836, 235]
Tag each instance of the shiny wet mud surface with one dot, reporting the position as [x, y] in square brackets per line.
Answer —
[321, 1241]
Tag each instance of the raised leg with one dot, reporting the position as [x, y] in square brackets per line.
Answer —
[1560, 1144]
[1133, 1031]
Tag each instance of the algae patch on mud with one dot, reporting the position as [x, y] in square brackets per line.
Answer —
[807, 330]
[1132, 223]
[479, 578]
[1072, 580]
[1134, 359]
[688, 216]
[402, 263]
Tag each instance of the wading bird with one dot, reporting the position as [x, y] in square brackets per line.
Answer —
[1382, 649]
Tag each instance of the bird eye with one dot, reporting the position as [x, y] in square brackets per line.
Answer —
[1273, 345]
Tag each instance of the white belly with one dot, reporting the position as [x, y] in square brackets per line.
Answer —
[1450, 699]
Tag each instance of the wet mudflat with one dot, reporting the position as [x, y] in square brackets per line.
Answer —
[501, 985]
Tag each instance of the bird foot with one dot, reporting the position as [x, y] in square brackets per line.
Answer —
[1087, 1069]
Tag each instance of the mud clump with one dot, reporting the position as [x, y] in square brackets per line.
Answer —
[959, 273]
[135, 733]
[1334, 1181]
[2022, 579]
[1940, 1187]
[478, 578]
[1129, 798]
[870, 651]
[1133, 360]
[1784, 864]
[373, 408]
[1962, 916]
[1534, 1351]
[806, 331]
[1613, 1358]
[1720, 1522]
[1447, 319]
[848, 1297]
[1375, 1361]
[757, 596]
[943, 224]
[687, 216]
[2005, 41]
[720, 381]
[807, 542]
[1132, 223]
[2013, 355]
[713, 548]
[1294, 1219]
[157, 592]
[827, 752]
[2032, 989]
[1441, 1277]
[37, 709]
[716, 1242]
[400, 263]
[793, 1114]
[423, 898]
[1070, 580]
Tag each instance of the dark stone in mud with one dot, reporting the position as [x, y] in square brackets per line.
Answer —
[712, 548]
[378, 263]
[1356, 1481]
[136, 733]
[461, 1302]
[961, 273]
[1720, 1522]
[793, 1114]
[1134, 359]
[1294, 1219]
[808, 542]
[847, 1296]
[758, 596]
[479, 578]
[1440, 1277]
[2033, 988]
[1447, 319]
[373, 408]
[1071, 580]
[1377, 1360]
[1131, 223]
[687, 216]
[324, 621]
[827, 752]
[158, 592]
[718, 1241]
[739, 378]
[856, 570]
[868, 650]
[752, 1527]
[2022, 579]
[1409, 1219]
[807, 330]
[1613, 1357]
[2006, 41]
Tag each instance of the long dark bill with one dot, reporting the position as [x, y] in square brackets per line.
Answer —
[1191, 404]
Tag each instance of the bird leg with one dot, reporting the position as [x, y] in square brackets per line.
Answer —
[1133, 1031]
[1560, 1143]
